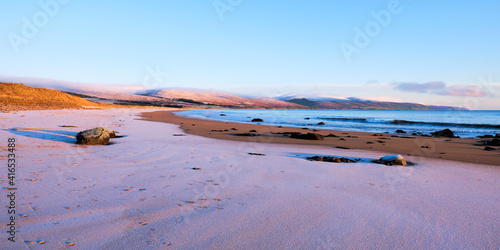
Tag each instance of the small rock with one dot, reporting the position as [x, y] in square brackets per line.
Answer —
[444, 133]
[257, 154]
[494, 142]
[393, 160]
[489, 148]
[257, 120]
[320, 123]
[399, 131]
[308, 136]
[331, 135]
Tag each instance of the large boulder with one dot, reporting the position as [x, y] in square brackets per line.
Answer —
[443, 133]
[393, 160]
[95, 136]
[308, 136]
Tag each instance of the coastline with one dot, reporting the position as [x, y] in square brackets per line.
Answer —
[455, 149]
[151, 189]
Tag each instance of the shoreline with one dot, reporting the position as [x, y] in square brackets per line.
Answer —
[152, 189]
[455, 149]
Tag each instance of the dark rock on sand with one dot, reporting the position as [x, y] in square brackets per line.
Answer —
[444, 133]
[253, 131]
[399, 131]
[486, 136]
[332, 159]
[95, 136]
[286, 133]
[494, 142]
[308, 136]
[257, 120]
[489, 148]
[331, 135]
[257, 154]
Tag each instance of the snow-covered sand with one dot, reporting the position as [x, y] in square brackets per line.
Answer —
[142, 192]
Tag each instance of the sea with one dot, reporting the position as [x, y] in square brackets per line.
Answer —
[466, 124]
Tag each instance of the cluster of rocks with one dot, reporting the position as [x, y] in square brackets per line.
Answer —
[332, 159]
[489, 136]
[494, 142]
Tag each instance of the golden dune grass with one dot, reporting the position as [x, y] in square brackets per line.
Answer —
[17, 96]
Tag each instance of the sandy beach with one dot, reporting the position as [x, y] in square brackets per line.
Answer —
[413, 147]
[173, 184]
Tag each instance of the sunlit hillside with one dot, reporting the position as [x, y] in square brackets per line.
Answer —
[16, 96]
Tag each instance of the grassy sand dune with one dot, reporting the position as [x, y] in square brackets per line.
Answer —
[17, 96]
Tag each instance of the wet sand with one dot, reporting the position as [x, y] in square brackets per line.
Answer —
[411, 147]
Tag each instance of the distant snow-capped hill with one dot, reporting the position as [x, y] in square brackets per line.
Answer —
[354, 103]
[222, 99]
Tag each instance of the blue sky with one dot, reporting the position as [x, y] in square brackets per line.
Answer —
[433, 52]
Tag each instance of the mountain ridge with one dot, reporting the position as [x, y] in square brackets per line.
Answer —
[195, 98]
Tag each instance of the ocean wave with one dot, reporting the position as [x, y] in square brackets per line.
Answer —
[344, 119]
[445, 124]
[405, 122]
